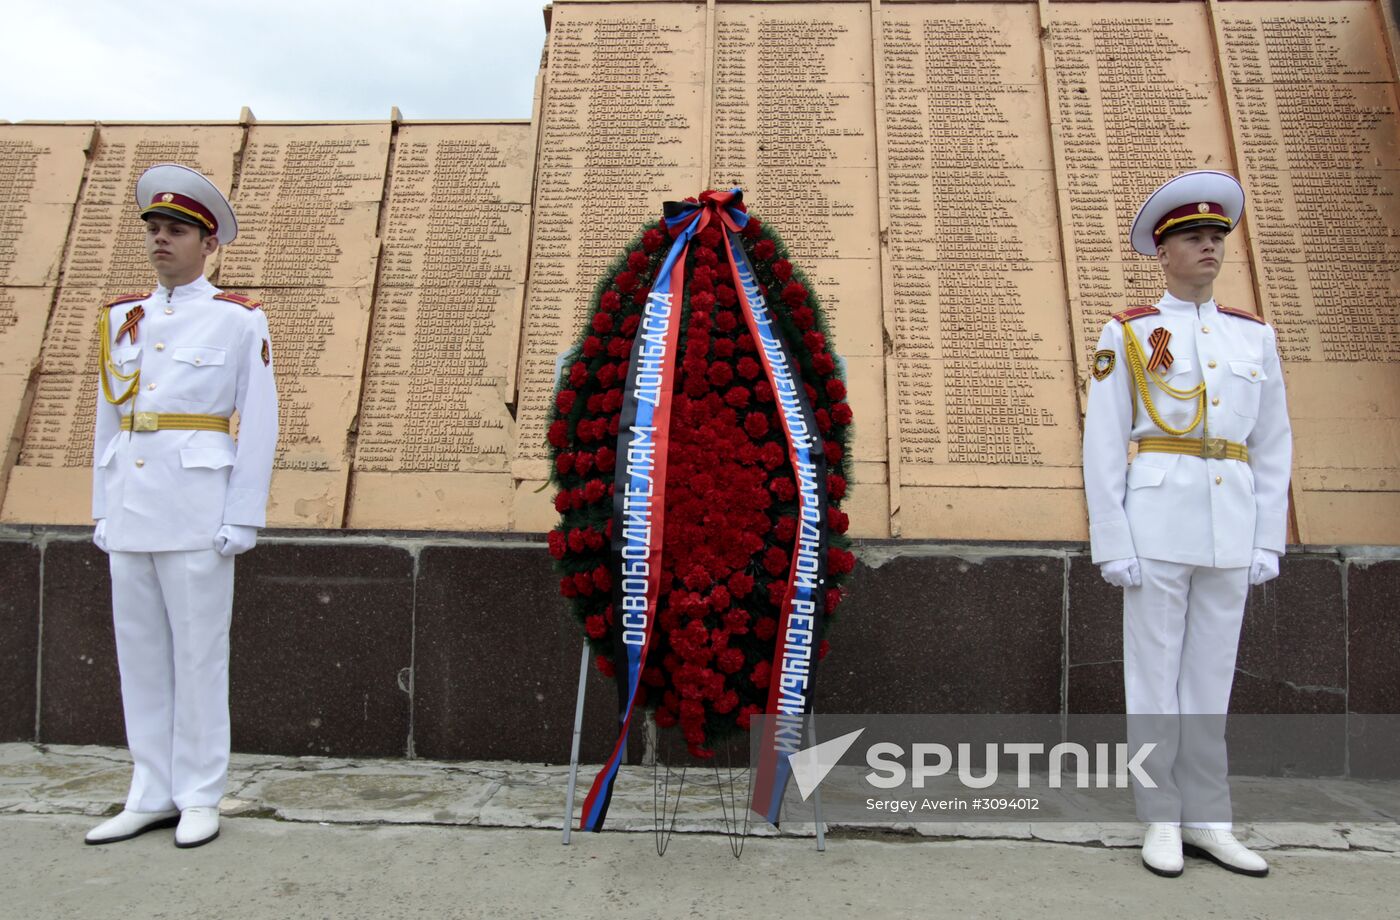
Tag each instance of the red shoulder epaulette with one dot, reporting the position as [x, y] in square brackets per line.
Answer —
[1135, 312]
[1242, 314]
[125, 298]
[239, 299]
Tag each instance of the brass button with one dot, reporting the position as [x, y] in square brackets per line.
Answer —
[1218, 480]
[150, 386]
[160, 346]
[1254, 373]
[169, 311]
[1215, 401]
[1205, 329]
[198, 362]
[140, 462]
[1211, 364]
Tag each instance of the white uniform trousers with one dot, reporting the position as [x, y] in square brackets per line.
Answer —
[1181, 630]
[172, 611]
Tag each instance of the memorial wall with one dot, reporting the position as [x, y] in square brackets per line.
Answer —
[955, 178]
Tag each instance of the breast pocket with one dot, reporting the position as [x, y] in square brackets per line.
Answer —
[1242, 387]
[126, 357]
[197, 373]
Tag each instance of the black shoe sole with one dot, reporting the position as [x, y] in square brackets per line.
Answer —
[1162, 872]
[154, 825]
[1190, 849]
[196, 843]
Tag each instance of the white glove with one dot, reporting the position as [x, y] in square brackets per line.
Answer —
[1122, 573]
[1264, 567]
[233, 539]
[99, 534]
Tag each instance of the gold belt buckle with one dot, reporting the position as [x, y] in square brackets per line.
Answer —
[1213, 448]
[146, 421]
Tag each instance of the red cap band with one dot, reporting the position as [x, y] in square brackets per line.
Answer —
[183, 204]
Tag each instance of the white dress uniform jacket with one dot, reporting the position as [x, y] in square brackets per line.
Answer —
[172, 489]
[1179, 508]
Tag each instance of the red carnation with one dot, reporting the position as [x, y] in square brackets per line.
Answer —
[724, 348]
[785, 531]
[725, 296]
[706, 257]
[629, 325]
[559, 433]
[823, 363]
[837, 519]
[604, 458]
[665, 718]
[737, 621]
[652, 240]
[745, 343]
[743, 720]
[601, 579]
[710, 237]
[783, 488]
[833, 452]
[764, 250]
[583, 463]
[602, 322]
[803, 318]
[640, 295]
[775, 561]
[777, 592]
[637, 261]
[561, 501]
[593, 490]
[814, 341]
[726, 702]
[557, 543]
[782, 269]
[583, 585]
[726, 321]
[749, 368]
[839, 561]
[719, 597]
[564, 464]
[576, 540]
[595, 627]
[765, 628]
[771, 456]
[740, 584]
[720, 374]
[762, 391]
[618, 346]
[701, 303]
[794, 294]
[841, 414]
[823, 420]
[753, 228]
[626, 282]
[738, 397]
[760, 674]
[836, 485]
[605, 666]
[730, 660]
[756, 424]
[607, 375]
[833, 599]
[610, 301]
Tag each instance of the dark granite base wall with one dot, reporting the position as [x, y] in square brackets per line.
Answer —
[450, 647]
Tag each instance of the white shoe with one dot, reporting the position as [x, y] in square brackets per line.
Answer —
[130, 824]
[199, 824]
[1221, 848]
[1161, 850]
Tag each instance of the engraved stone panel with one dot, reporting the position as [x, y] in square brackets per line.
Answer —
[982, 364]
[41, 170]
[1315, 116]
[52, 480]
[308, 205]
[805, 156]
[435, 434]
[1135, 101]
[620, 127]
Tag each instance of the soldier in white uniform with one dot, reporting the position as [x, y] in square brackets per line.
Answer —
[175, 498]
[1198, 516]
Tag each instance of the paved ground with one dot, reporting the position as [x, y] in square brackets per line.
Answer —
[318, 838]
